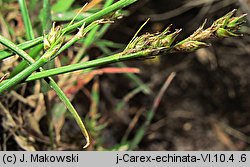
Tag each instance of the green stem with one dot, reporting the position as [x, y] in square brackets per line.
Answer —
[28, 71]
[93, 63]
[92, 35]
[26, 45]
[118, 5]
[15, 48]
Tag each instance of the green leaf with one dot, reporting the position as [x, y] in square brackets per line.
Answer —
[62, 5]
[26, 20]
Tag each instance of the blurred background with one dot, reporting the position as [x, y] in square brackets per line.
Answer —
[205, 107]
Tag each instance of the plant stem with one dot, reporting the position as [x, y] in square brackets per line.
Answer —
[26, 45]
[15, 48]
[93, 63]
[116, 6]
[28, 71]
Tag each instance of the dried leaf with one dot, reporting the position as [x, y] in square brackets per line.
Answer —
[23, 143]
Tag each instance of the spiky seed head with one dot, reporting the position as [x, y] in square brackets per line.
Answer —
[53, 37]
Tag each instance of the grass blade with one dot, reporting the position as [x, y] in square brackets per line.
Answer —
[62, 5]
[26, 20]
[150, 114]
[46, 16]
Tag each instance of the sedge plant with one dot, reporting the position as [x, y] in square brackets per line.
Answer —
[140, 47]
